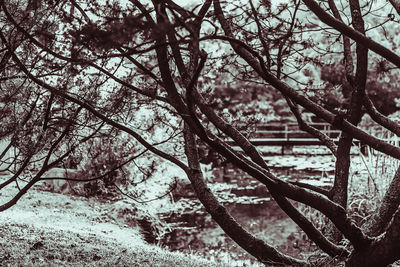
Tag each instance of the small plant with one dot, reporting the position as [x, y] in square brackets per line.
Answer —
[362, 206]
[104, 163]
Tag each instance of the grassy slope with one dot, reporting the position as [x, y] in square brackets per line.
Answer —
[47, 229]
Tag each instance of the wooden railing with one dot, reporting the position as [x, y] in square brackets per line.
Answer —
[290, 134]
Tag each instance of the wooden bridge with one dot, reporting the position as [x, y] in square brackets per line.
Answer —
[289, 134]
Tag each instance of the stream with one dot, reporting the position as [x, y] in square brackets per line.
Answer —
[248, 201]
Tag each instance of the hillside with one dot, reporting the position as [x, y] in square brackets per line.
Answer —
[48, 229]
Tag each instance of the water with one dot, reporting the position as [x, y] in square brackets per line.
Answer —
[250, 204]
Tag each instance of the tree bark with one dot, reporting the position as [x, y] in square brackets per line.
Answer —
[390, 203]
[339, 192]
[256, 247]
[382, 252]
[396, 5]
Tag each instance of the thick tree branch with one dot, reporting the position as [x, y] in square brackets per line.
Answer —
[75, 4]
[353, 34]
[355, 235]
[79, 61]
[379, 117]
[333, 211]
[339, 191]
[396, 5]
[96, 113]
[251, 244]
[321, 112]
[389, 205]
[348, 58]
[383, 251]
[313, 233]
[326, 140]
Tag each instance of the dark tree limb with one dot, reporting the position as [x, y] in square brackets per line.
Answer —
[326, 140]
[355, 235]
[313, 233]
[79, 61]
[353, 34]
[96, 113]
[380, 118]
[382, 252]
[388, 206]
[341, 123]
[339, 191]
[396, 5]
[348, 58]
[247, 241]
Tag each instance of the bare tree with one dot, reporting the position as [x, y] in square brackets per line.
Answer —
[109, 61]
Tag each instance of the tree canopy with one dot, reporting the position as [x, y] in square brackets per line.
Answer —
[171, 78]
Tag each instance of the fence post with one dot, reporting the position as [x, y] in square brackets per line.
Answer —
[286, 137]
[286, 133]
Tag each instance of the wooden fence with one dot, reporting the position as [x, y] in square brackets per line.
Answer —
[289, 134]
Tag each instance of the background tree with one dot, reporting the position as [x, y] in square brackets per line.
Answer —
[106, 63]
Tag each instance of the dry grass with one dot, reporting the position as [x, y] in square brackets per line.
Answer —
[374, 171]
[22, 245]
[46, 229]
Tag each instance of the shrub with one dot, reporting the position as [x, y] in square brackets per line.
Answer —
[104, 162]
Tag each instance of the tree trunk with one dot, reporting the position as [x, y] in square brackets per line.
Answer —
[384, 251]
[256, 247]
[390, 203]
[339, 192]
